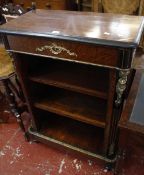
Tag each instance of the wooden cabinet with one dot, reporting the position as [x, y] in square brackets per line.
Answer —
[44, 4]
[75, 70]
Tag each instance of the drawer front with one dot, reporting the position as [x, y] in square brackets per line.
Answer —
[82, 52]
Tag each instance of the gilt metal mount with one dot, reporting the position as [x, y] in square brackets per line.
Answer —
[121, 85]
[55, 49]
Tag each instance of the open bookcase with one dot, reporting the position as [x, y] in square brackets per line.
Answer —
[75, 72]
[69, 101]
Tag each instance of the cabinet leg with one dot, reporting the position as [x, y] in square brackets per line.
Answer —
[109, 166]
[13, 106]
[21, 95]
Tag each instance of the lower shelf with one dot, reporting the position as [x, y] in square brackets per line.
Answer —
[71, 134]
[75, 133]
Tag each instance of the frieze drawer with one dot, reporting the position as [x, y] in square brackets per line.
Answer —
[69, 50]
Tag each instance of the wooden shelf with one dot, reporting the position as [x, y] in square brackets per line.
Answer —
[80, 107]
[75, 133]
[75, 77]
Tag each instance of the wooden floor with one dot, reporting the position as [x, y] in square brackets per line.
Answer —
[18, 157]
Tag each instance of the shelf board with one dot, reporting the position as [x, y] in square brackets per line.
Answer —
[80, 107]
[75, 78]
[87, 137]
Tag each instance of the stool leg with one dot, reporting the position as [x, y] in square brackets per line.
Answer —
[20, 89]
[4, 116]
[13, 105]
[19, 98]
[14, 88]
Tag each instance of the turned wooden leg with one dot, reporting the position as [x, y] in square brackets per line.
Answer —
[13, 105]
[21, 95]
[4, 116]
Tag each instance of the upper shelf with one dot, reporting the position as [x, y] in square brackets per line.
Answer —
[106, 29]
[74, 77]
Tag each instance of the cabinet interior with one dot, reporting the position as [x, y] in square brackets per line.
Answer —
[66, 97]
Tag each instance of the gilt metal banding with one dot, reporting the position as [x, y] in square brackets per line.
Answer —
[52, 140]
[55, 49]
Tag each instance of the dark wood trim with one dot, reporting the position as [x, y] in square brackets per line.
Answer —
[102, 42]
[109, 115]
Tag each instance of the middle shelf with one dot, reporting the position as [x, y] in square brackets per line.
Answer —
[84, 108]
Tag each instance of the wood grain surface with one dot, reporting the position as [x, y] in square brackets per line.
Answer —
[121, 29]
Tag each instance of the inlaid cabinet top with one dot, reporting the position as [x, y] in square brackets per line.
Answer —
[107, 29]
